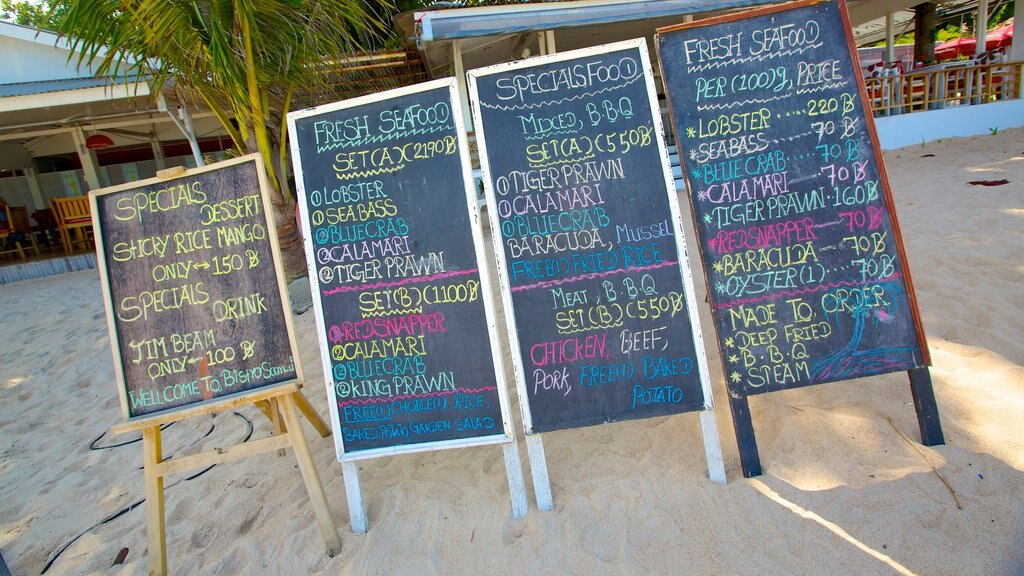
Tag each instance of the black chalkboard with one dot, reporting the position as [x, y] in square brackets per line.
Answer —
[586, 228]
[193, 288]
[801, 249]
[407, 338]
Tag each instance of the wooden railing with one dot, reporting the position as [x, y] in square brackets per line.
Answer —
[944, 85]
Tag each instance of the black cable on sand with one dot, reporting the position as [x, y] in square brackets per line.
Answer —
[134, 505]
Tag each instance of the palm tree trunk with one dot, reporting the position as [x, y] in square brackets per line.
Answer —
[293, 256]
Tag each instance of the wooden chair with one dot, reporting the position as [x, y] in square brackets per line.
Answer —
[46, 226]
[8, 239]
[18, 218]
[74, 220]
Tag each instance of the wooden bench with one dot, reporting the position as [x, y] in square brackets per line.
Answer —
[74, 221]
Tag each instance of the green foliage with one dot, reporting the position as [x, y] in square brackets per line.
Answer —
[36, 14]
[244, 58]
[949, 32]
[1000, 15]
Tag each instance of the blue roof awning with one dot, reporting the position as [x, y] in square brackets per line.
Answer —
[459, 23]
[48, 86]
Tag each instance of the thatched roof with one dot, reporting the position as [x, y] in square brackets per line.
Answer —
[366, 73]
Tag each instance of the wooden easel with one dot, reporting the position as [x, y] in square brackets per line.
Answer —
[307, 168]
[539, 463]
[534, 441]
[513, 471]
[272, 334]
[836, 16]
[924, 404]
[279, 404]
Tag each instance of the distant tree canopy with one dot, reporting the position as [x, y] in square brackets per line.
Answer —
[243, 59]
[31, 13]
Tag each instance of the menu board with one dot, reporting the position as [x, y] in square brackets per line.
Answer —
[193, 288]
[388, 210]
[801, 249]
[587, 233]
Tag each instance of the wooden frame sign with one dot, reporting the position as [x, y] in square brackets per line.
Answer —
[802, 253]
[588, 237]
[404, 316]
[194, 292]
[196, 309]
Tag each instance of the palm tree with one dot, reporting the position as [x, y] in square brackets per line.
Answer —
[243, 59]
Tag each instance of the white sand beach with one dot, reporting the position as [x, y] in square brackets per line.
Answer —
[843, 490]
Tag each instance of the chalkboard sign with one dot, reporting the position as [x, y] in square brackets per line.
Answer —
[193, 288]
[802, 253]
[587, 233]
[404, 316]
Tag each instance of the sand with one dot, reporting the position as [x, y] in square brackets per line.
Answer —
[843, 490]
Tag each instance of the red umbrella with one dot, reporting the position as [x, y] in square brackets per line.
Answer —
[996, 38]
[956, 47]
[999, 37]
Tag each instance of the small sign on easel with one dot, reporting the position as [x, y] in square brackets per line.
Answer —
[403, 304]
[803, 256]
[196, 310]
[602, 316]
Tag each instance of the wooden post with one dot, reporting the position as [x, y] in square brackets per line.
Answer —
[276, 424]
[312, 415]
[316, 490]
[264, 407]
[152, 455]
[927, 409]
[305, 408]
[516, 486]
[712, 447]
[741, 422]
[354, 495]
[539, 472]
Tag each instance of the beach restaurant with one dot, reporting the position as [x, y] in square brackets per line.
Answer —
[65, 131]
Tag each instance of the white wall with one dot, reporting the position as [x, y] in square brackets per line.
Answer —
[26, 61]
[918, 127]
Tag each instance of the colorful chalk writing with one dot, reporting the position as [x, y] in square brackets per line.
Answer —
[801, 253]
[401, 313]
[192, 287]
[587, 238]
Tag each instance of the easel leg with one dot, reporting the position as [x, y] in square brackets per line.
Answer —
[312, 415]
[927, 409]
[354, 494]
[276, 424]
[316, 490]
[712, 447]
[152, 454]
[749, 460]
[516, 485]
[264, 407]
[539, 472]
[271, 409]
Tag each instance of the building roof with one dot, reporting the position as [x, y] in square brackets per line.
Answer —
[49, 86]
[29, 34]
[453, 24]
